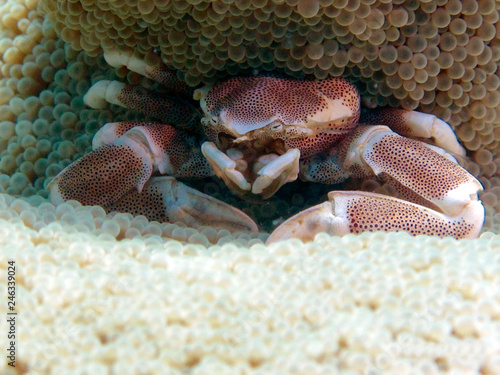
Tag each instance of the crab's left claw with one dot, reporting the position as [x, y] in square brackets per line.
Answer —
[165, 199]
[443, 196]
[270, 172]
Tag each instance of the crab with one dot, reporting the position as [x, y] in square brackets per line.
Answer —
[260, 132]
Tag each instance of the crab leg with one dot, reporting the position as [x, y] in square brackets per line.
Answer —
[195, 166]
[111, 170]
[110, 132]
[149, 66]
[442, 195]
[168, 109]
[416, 125]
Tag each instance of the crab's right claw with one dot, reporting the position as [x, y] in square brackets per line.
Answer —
[111, 170]
[356, 212]
[102, 177]
[165, 199]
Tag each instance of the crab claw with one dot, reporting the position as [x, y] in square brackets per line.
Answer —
[442, 195]
[117, 177]
[165, 199]
[415, 170]
[356, 212]
[271, 171]
[101, 177]
[111, 170]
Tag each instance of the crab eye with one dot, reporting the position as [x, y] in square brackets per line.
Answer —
[209, 121]
[276, 127]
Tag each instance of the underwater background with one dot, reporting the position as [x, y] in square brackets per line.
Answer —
[111, 293]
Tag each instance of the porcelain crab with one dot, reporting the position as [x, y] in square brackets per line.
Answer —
[260, 132]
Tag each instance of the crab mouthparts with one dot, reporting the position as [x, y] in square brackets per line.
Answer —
[251, 155]
[275, 131]
[252, 168]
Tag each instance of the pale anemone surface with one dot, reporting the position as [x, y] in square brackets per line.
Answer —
[373, 303]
